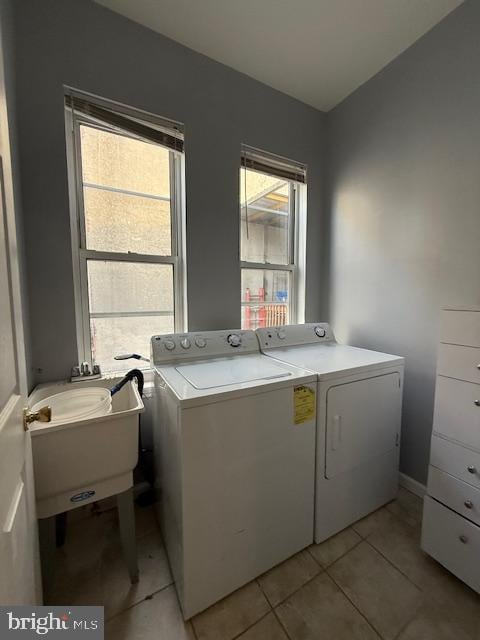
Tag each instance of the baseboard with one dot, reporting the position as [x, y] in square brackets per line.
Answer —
[412, 485]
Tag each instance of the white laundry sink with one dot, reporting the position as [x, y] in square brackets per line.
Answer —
[77, 461]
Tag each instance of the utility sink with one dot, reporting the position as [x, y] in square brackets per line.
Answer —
[77, 461]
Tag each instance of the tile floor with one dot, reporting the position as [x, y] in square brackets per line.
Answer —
[370, 581]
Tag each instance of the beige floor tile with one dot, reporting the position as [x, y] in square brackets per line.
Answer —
[320, 611]
[145, 521]
[281, 581]
[268, 628]
[408, 520]
[408, 507]
[232, 615]
[109, 585]
[80, 558]
[91, 570]
[402, 549]
[327, 552]
[376, 520]
[118, 592]
[433, 622]
[157, 619]
[385, 597]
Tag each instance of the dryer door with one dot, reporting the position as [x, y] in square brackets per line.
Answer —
[363, 420]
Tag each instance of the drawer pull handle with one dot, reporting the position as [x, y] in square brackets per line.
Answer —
[463, 539]
[471, 469]
[478, 366]
[468, 504]
[476, 403]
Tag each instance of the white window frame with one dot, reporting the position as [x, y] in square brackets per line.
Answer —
[296, 253]
[81, 255]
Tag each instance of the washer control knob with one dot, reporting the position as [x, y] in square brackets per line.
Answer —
[169, 345]
[320, 332]
[471, 469]
[185, 343]
[281, 334]
[200, 342]
[234, 340]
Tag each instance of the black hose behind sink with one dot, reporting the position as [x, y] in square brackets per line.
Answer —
[133, 373]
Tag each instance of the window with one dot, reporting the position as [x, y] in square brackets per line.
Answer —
[272, 199]
[126, 195]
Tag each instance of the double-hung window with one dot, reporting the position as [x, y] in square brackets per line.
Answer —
[272, 221]
[127, 202]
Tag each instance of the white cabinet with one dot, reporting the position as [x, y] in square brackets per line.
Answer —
[455, 459]
[460, 325]
[452, 540]
[457, 411]
[455, 361]
[456, 494]
[451, 516]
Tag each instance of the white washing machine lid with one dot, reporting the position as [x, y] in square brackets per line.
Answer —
[231, 371]
[331, 359]
[209, 380]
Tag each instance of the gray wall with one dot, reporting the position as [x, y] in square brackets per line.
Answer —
[81, 44]
[10, 164]
[403, 232]
[404, 198]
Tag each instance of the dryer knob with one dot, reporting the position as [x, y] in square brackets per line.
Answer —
[320, 332]
[200, 342]
[281, 334]
[234, 340]
[185, 343]
[169, 345]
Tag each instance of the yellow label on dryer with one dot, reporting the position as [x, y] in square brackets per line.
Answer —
[304, 404]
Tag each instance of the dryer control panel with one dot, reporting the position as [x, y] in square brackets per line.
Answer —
[294, 335]
[175, 347]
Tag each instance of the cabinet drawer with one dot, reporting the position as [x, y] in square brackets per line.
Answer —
[460, 327]
[452, 540]
[456, 414]
[456, 494]
[456, 460]
[460, 362]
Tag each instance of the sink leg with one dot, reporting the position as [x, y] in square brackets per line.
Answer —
[47, 540]
[61, 528]
[126, 518]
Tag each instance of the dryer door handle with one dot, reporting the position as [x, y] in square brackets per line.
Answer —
[336, 433]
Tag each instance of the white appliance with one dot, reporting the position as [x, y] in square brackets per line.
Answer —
[359, 404]
[85, 452]
[234, 441]
[451, 515]
[89, 449]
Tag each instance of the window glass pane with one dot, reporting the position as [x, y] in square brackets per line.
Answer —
[128, 302]
[118, 222]
[115, 335]
[114, 160]
[129, 287]
[264, 218]
[265, 297]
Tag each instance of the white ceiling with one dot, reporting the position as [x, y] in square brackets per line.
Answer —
[318, 51]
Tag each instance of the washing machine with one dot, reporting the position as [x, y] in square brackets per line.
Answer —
[359, 404]
[234, 443]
